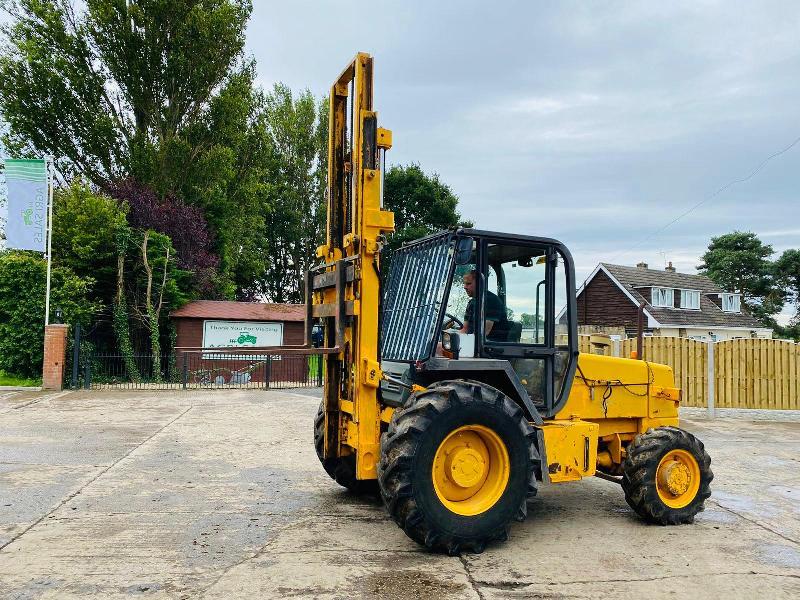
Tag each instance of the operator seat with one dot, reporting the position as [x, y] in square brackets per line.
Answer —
[514, 332]
[506, 331]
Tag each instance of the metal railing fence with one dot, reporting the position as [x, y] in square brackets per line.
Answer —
[197, 369]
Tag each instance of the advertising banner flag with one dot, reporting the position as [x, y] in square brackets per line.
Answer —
[26, 182]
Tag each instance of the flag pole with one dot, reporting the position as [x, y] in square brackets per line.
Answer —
[49, 163]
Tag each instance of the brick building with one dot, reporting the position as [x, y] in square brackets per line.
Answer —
[213, 324]
[205, 324]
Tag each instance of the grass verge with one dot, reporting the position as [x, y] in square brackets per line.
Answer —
[6, 379]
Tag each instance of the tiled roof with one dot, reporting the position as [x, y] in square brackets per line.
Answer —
[709, 315]
[241, 311]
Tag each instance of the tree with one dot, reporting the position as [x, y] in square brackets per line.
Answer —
[120, 319]
[294, 192]
[153, 284]
[22, 300]
[155, 255]
[738, 262]
[787, 274]
[156, 91]
[185, 226]
[110, 88]
[3, 201]
[421, 203]
[85, 226]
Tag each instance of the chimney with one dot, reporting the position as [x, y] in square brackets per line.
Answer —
[669, 268]
[641, 265]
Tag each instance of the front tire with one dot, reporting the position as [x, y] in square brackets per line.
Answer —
[457, 466]
[667, 476]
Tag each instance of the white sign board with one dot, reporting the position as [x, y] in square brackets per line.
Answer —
[241, 334]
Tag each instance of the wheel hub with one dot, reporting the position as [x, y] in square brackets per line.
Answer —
[465, 467]
[676, 478]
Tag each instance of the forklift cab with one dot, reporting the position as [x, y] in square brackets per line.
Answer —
[497, 308]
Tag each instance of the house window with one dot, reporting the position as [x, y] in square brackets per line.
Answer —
[690, 299]
[732, 303]
[663, 297]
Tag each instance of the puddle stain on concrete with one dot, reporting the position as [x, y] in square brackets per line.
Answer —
[745, 504]
[779, 555]
[715, 515]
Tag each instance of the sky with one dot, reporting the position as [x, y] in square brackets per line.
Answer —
[597, 123]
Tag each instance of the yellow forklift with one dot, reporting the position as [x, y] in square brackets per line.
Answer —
[453, 383]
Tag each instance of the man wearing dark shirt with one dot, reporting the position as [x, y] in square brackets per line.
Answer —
[493, 308]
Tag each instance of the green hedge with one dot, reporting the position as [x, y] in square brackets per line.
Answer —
[22, 290]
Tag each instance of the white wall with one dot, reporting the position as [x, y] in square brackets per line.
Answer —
[720, 333]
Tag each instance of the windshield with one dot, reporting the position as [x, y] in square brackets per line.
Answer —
[413, 296]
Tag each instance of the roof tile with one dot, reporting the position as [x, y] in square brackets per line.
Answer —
[240, 311]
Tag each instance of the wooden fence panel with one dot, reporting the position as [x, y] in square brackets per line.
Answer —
[689, 362]
[794, 374]
[757, 374]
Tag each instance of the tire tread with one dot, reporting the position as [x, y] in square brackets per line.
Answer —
[398, 445]
[639, 475]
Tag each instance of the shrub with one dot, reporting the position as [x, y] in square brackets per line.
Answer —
[22, 301]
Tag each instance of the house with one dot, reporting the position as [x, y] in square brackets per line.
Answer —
[675, 305]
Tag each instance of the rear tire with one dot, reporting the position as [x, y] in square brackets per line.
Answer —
[427, 474]
[341, 469]
[667, 476]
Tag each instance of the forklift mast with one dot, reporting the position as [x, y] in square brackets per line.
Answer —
[345, 289]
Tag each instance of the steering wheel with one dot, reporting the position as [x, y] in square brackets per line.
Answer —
[450, 321]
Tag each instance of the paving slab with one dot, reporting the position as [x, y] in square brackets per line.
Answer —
[220, 495]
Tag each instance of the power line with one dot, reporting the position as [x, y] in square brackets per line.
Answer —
[709, 198]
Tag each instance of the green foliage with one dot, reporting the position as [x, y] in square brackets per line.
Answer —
[85, 230]
[115, 79]
[167, 278]
[119, 315]
[22, 300]
[222, 167]
[295, 134]
[739, 262]
[158, 94]
[421, 203]
[787, 274]
[157, 288]
[121, 327]
[156, 91]
[788, 332]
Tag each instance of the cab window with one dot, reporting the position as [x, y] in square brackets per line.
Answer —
[515, 301]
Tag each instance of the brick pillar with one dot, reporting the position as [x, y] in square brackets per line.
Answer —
[55, 350]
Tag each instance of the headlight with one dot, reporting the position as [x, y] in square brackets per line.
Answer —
[446, 342]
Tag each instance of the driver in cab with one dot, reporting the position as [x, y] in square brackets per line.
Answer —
[493, 309]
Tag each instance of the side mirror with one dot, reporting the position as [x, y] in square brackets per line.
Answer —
[463, 251]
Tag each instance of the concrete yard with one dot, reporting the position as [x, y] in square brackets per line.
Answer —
[220, 495]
